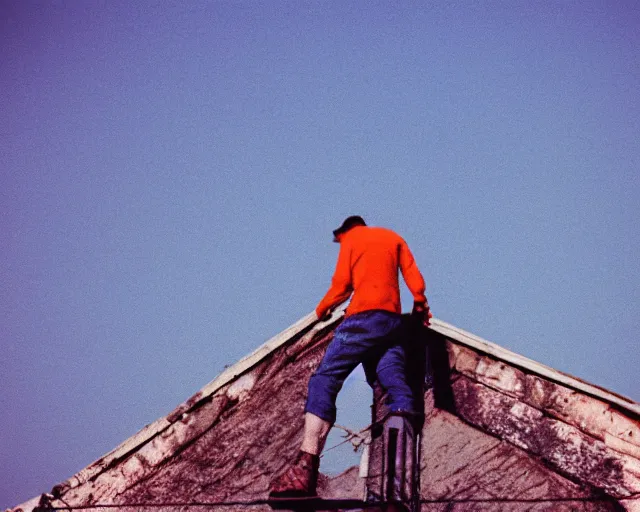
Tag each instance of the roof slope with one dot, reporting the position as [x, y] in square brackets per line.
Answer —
[475, 342]
[224, 443]
[527, 433]
[229, 439]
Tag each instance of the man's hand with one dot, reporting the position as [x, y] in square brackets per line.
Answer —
[325, 316]
[422, 313]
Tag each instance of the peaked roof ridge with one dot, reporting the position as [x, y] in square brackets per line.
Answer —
[308, 326]
[304, 331]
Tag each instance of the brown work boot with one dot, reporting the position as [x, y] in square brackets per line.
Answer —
[299, 480]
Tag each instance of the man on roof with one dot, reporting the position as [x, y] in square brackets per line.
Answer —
[371, 334]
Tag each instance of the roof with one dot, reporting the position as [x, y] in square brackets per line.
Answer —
[116, 472]
[502, 354]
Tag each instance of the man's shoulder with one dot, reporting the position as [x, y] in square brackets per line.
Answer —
[386, 233]
[367, 237]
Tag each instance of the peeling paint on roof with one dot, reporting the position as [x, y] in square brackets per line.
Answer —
[500, 353]
[230, 437]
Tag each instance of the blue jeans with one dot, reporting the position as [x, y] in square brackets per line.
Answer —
[375, 339]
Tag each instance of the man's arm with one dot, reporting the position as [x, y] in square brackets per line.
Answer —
[415, 283]
[411, 274]
[341, 286]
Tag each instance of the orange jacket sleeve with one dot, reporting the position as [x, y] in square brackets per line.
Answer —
[411, 274]
[341, 284]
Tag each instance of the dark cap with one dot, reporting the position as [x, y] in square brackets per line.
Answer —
[349, 222]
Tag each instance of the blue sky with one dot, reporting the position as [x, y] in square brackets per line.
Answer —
[171, 175]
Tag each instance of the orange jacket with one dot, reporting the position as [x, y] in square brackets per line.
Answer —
[368, 266]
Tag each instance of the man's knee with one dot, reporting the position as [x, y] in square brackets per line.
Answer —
[321, 397]
[323, 384]
[323, 410]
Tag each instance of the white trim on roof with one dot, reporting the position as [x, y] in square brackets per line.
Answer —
[269, 346]
[264, 350]
[228, 375]
[477, 343]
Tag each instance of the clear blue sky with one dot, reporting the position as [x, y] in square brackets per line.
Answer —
[171, 174]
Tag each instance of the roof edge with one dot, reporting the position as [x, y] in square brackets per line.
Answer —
[234, 371]
[308, 323]
[475, 342]
[308, 326]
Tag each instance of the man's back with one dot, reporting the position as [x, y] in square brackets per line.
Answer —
[368, 265]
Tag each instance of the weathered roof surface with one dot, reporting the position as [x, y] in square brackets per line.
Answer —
[205, 439]
[229, 439]
[580, 438]
[477, 343]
